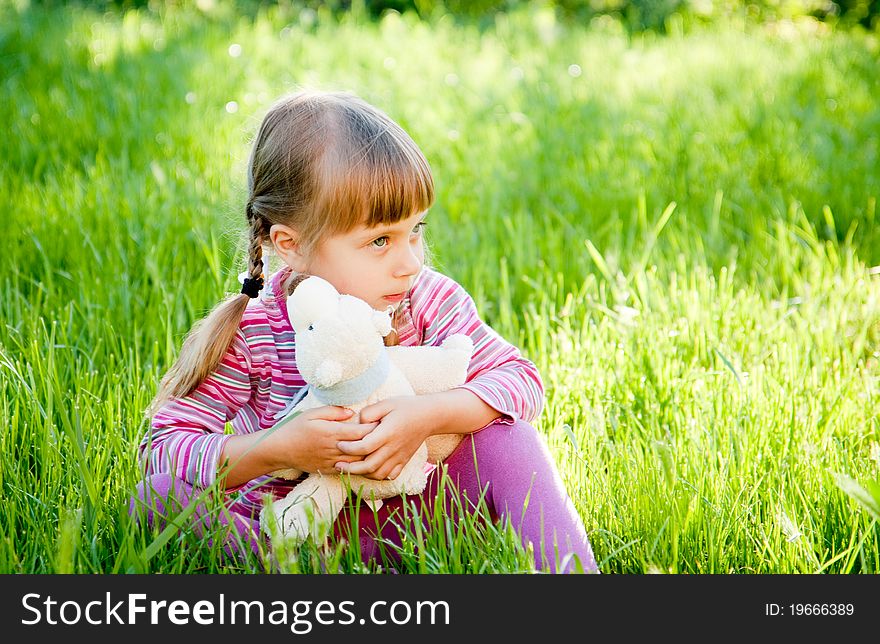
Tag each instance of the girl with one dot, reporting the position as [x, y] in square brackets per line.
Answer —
[339, 190]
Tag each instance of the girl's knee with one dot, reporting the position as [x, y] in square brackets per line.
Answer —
[502, 452]
[155, 493]
[509, 441]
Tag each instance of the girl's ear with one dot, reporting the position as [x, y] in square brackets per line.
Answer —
[286, 243]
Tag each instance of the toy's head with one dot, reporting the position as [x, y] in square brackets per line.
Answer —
[338, 337]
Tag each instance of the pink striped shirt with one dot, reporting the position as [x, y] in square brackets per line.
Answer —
[258, 376]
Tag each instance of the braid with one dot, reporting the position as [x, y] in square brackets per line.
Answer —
[211, 337]
[393, 339]
[253, 283]
[294, 281]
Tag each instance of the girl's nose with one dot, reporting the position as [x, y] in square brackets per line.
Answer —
[409, 262]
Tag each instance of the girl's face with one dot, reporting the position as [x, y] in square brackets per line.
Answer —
[378, 265]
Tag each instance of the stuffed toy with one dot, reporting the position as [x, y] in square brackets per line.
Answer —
[342, 356]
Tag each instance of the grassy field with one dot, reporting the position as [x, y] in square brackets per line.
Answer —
[679, 231]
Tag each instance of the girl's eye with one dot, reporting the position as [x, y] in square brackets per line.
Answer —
[381, 242]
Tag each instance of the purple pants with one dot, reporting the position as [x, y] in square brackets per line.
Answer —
[514, 473]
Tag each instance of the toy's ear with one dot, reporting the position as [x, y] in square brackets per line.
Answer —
[313, 298]
[382, 322]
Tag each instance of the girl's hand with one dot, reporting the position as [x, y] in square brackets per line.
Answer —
[404, 422]
[309, 441]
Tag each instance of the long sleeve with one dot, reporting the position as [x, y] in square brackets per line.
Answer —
[187, 434]
[498, 373]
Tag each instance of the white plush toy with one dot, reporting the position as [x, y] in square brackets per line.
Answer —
[341, 354]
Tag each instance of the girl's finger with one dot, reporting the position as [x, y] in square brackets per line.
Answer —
[348, 468]
[386, 472]
[333, 429]
[359, 447]
[366, 467]
[353, 433]
[345, 458]
[331, 412]
[375, 412]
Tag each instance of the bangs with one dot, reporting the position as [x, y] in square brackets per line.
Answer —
[381, 181]
[395, 191]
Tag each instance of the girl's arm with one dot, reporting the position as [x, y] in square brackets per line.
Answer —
[244, 458]
[307, 442]
[187, 437]
[500, 384]
[498, 374]
[460, 411]
[404, 422]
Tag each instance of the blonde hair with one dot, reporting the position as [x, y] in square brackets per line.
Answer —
[322, 163]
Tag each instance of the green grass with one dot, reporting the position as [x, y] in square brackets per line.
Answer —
[679, 231]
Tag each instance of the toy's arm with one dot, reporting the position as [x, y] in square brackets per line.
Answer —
[434, 369]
